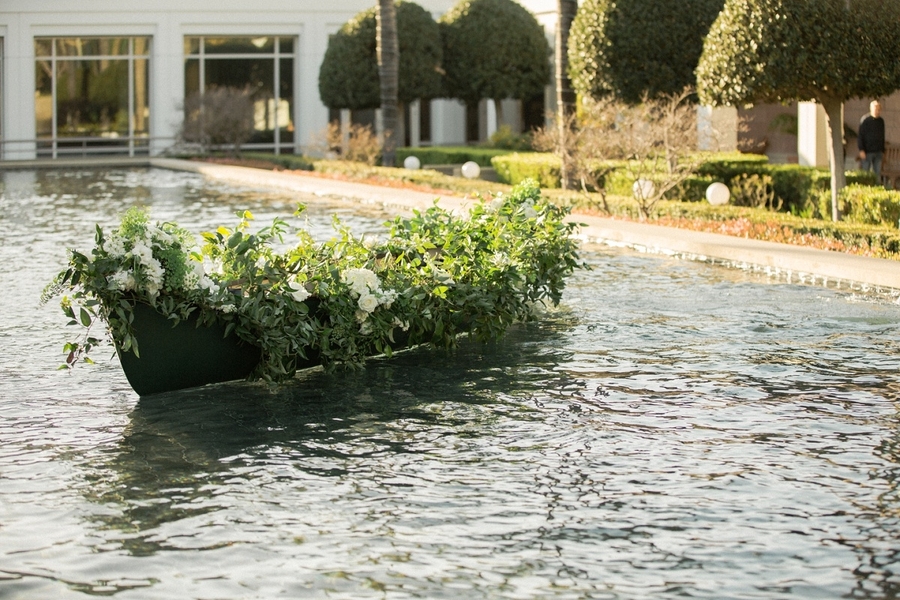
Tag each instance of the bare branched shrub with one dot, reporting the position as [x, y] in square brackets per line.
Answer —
[582, 150]
[359, 144]
[654, 141]
[755, 191]
[222, 116]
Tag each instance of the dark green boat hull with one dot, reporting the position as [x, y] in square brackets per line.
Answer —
[183, 356]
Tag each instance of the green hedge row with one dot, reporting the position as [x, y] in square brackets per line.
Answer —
[797, 187]
[870, 205]
[450, 155]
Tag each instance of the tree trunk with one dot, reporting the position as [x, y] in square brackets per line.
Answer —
[498, 110]
[565, 95]
[388, 51]
[834, 118]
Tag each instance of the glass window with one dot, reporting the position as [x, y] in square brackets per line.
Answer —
[260, 66]
[92, 94]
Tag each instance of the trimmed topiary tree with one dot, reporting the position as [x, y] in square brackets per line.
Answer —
[348, 77]
[639, 48]
[493, 49]
[826, 51]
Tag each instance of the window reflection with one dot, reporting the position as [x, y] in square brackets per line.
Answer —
[91, 94]
[261, 65]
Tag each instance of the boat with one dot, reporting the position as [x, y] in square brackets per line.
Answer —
[265, 313]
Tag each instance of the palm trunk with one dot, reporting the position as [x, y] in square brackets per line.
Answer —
[565, 95]
[834, 118]
[388, 67]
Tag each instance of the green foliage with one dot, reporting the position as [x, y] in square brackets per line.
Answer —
[870, 205]
[293, 162]
[638, 48]
[348, 76]
[451, 155]
[493, 49]
[432, 277]
[783, 50]
[505, 139]
[756, 191]
[543, 167]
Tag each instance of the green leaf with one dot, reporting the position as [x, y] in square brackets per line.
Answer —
[85, 317]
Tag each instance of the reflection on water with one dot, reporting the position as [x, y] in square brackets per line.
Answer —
[674, 429]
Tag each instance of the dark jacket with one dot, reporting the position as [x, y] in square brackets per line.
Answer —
[871, 134]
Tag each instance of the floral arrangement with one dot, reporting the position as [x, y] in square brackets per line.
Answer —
[431, 278]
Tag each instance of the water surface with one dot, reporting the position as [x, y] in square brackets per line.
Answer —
[674, 429]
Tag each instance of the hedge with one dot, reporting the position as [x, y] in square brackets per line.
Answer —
[870, 205]
[798, 187]
[451, 155]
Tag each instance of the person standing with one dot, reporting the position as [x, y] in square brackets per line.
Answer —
[871, 140]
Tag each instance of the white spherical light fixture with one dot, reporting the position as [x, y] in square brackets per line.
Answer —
[412, 163]
[643, 189]
[718, 193]
[471, 170]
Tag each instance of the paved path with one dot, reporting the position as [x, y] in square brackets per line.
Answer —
[795, 262]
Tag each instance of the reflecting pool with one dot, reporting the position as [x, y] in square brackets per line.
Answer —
[674, 429]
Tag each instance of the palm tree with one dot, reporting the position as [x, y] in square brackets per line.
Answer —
[565, 95]
[388, 67]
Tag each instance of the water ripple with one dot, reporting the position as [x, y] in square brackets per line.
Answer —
[674, 429]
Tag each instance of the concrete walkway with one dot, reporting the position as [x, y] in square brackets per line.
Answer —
[794, 262]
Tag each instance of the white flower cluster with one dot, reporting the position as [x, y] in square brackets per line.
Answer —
[141, 254]
[527, 207]
[365, 286]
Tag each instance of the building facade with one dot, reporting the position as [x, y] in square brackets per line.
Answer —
[96, 76]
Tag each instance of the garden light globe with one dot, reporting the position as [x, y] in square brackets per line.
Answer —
[642, 188]
[718, 193]
[471, 170]
[412, 163]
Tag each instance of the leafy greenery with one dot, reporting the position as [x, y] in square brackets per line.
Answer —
[871, 205]
[348, 76]
[637, 49]
[433, 276]
[493, 49]
[828, 51]
[449, 155]
[783, 50]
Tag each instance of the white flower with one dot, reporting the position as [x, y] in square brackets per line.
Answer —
[298, 291]
[142, 252]
[368, 302]
[205, 283]
[124, 280]
[361, 281]
[114, 246]
[404, 325]
[154, 270]
[227, 308]
[361, 316]
[495, 205]
[530, 213]
[365, 328]
[387, 297]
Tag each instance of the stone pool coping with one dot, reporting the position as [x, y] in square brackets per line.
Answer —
[795, 263]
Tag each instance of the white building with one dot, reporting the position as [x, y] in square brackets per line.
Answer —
[82, 76]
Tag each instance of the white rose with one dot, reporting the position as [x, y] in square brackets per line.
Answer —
[368, 302]
[298, 292]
